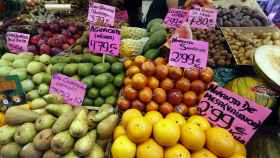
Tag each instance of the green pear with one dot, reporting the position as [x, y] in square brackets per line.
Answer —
[84, 145]
[79, 126]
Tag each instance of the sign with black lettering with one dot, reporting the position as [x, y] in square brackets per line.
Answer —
[104, 40]
[238, 115]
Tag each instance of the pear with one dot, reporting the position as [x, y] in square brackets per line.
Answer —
[25, 133]
[106, 127]
[10, 150]
[58, 109]
[84, 145]
[54, 99]
[17, 116]
[63, 122]
[79, 126]
[71, 154]
[96, 152]
[28, 151]
[6, 134]
[62, 143]
[38, 103]
[44, 122]
[51, 154]
[43, 139]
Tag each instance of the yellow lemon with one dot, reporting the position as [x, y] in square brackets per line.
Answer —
[177, 151]
[128, 115]
[178, 118]
[123, 148]
[139, 129]
[153, 116]
[200, 121]
[119, 131]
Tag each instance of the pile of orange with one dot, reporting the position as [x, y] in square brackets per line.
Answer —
[154, 85]
[153, 136]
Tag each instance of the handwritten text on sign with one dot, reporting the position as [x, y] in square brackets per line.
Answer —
[175, 17]
[17, 42]
[103, 13]
[188, 53]
[72, 90]
[239, 115]
[203, 18]
[104, 40]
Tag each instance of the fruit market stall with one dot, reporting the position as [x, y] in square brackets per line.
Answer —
[78, 81]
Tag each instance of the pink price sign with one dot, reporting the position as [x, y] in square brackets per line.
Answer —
[101, 12]
[175, 17]
[121, 16]
[72, 90]
[17, 42]
[188, 53]
[238, 115]
[203, 18]
[104, 40]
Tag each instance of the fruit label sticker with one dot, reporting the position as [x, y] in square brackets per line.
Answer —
[101, 13]
[121, 16]
[17, 42]
[175, 17]
[187, 53]
[11, 91]
[104, 40]
[72, 90]
[238, 115]
[203, 18]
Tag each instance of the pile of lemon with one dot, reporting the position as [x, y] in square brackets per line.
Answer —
[152, 136]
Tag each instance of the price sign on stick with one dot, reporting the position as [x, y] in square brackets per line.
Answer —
[238, 115]
[72, 90]
[202, 18]
[104, 40]
[175, 17]
[188, 53]
[101, 13]
[17, 42]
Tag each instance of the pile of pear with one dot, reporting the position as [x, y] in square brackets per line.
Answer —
[48, 128]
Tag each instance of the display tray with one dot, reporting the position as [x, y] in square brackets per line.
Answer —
[255, 30]
[250, 3]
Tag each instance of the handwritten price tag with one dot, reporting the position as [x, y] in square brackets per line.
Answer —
[73, 91]
[17, 42]
[203, 18]
[238, 115]
[188, 53]
[104, 40]
[102, 13]
[175, 17]
[121, 16]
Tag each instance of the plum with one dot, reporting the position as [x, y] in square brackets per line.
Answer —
[44, 48]
[32, 48]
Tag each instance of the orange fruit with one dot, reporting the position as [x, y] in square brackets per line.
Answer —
[240, 148]
[139, 81]
[192, 74]
[175, 73]
[203, 153]
[152, 106]
[192, 111]
[123, 104]
[200, 121]
[166, 108]
[132, 70]
[220, 142]
[137, 104]
[161, 72]
[118, 131]
[130, 93]
[153, 83]
[127, 63]
[190, 98]
[122, 147]
[192, 137]
[139, 60]
[178, 118]
[182, 109]
[167, 84]
[127, 81]
[153, 116]
[129, 115]
[177, 151]
[160, 61]
[159, 95]
[166, 132]
[149, 149]
[183, 84]
[146, 94]
[148, 68]
[139, 129]
[237, 156]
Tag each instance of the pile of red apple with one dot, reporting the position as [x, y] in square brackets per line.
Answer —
[55, 37]
[154, 85]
